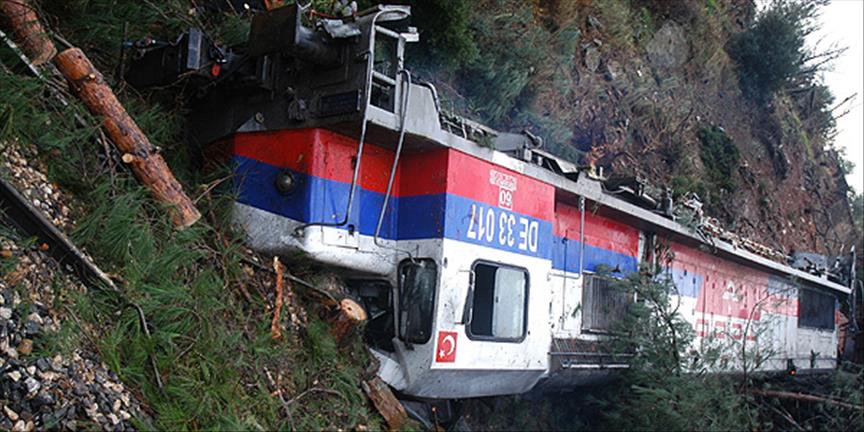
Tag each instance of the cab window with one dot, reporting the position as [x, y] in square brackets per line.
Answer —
[385, 71]
[499, 304]
[815, 309]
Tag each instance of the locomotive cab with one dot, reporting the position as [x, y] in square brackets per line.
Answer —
[364, 174]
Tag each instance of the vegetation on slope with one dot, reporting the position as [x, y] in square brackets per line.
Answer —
[207, 300]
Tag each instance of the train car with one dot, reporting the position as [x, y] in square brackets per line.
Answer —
[484, 262]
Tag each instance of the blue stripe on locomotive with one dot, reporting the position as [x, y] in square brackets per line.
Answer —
[688, 283]
[417, 217]
[565, 256]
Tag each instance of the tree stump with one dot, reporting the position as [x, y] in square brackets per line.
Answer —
[136, 150]
[351, 315]
[27, 31]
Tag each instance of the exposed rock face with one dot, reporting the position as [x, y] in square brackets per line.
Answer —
[669, 48]
[643, 95]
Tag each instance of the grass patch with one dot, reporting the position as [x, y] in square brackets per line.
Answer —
[720, 157]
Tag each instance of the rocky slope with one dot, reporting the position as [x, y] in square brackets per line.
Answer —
[637, 87]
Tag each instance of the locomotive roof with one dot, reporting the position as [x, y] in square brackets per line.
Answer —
[424, 130]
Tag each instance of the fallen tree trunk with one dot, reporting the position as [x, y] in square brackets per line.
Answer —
[804, 397]
[27, 31]
[136, 150]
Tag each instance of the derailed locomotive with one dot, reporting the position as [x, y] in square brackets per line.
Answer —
[484, 262]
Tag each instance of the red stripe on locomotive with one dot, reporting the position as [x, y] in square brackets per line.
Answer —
[317, 152]
[601, 232]
[492, 184]
[730, 289]
[329, 155]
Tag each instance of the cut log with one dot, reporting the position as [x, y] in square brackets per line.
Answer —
[385, 402]
[26, 30]
[351, 314]
[146, 163]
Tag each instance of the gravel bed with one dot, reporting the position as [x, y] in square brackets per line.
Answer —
[41, 390]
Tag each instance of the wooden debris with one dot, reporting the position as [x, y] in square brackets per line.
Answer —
[295, 312]
[25, 347]
[805, 397]
[275, 325]
[146, 163]
[26, 30]
[385, 402]
[351, 314]
[277, 392]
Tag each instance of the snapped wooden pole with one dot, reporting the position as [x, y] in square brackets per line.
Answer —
[135, 148]
[23, 23]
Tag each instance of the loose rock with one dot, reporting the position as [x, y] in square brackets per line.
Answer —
[25, 347]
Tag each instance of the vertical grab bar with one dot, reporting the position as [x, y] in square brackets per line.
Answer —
[581, 234]
[403, 114]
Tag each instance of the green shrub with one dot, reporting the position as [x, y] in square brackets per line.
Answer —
[663, 389]
[684, 185]
[445, 33]
[509, 54]
[719, 156]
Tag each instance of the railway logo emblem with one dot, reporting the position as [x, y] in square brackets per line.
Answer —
[506, 187]
[446, 347]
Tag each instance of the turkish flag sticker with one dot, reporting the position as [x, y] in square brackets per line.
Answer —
[446, 351]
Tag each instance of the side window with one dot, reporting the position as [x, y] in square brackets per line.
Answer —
[602, 305]
[384, 71]
[418, 280]
[815, 309]
[499, 305]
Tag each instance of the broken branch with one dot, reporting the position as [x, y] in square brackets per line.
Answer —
[385, 402]
[804, 397]
[275, 328]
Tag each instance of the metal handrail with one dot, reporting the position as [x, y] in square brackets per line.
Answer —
[403, 114]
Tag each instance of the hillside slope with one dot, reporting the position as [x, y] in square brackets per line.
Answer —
[649, 88]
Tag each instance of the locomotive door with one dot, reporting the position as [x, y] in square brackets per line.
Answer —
[567, 295]
[571, 301]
